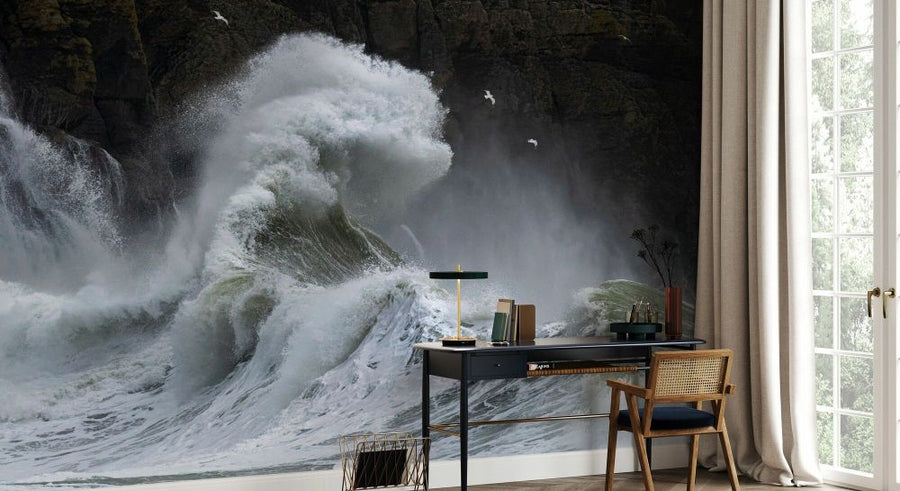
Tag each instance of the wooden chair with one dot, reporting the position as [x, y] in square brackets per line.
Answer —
[675, 377]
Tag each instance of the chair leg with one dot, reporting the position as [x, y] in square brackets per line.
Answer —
[611, 456]
[639, 442]
[692, 476]
[729, 459]
[642, 458]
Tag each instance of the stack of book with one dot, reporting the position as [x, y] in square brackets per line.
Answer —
[513, 323]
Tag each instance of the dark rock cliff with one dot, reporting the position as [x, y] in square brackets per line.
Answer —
[612, 86]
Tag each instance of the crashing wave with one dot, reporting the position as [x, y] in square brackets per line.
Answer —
[274, 320]
[269, 281]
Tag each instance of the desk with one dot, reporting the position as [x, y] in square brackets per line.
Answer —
[487, 362]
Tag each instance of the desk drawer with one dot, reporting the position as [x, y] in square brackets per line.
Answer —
[503, 365]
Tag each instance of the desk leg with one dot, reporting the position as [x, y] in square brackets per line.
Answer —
[426, 396]
[648, 441]
[426, 403]
[463, 429]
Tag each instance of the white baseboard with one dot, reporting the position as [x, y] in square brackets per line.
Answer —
[667, 454]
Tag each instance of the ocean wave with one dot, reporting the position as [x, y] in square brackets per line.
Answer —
[269, 281]
[274, 320]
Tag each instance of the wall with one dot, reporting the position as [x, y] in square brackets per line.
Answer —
[223, 235]
[669, 453]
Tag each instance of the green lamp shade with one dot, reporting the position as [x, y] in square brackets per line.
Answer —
[458, 275]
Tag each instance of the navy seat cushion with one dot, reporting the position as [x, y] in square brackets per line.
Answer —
[672, 418]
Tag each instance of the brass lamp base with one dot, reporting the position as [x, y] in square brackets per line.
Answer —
[457, 341]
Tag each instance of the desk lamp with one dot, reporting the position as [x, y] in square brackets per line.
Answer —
[458, 275]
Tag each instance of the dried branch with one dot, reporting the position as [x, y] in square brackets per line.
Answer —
[659, 256]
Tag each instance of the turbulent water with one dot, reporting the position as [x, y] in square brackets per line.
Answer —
[273, 321]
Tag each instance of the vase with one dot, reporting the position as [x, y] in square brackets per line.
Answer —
[673, 312]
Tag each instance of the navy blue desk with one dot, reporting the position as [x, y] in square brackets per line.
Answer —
[487, 362]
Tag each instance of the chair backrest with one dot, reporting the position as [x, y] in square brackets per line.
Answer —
[696, 375]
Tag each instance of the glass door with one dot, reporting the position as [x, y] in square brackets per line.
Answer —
[853, 49]
[844, 177]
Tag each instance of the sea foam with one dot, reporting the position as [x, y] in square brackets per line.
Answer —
[273, 320]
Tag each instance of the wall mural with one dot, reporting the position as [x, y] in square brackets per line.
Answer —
[217, 227]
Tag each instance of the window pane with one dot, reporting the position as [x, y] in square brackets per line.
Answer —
[856, 326]
[824, 373]
[857, 443]
[825, 434]
[824, 310]
[857, 202]
[822, 250]
[856, 383]
[856, 23]
[857, 80]
[822, 97]
[822, 145]
[822, 25]
[856, 263]
[822, 201]
[857, 140]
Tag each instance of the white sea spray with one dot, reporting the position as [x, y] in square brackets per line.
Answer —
[273, 320]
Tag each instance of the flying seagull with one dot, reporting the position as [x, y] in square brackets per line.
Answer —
[490, 97]
[533, 142]
[219, 17]
[624, 38]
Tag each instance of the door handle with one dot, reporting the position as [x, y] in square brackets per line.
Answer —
[888, 293]
[874, 292]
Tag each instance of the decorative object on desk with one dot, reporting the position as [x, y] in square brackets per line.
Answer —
[507, 306]
[376, 460]
[569, 367]
[527, 320]
[673, 312]
[642, 311]
[643, 323]
[661, 257]
[458, 275]
[513, 334]
[498, 333]
[635, 331]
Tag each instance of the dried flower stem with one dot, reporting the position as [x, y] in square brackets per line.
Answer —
[660, 257]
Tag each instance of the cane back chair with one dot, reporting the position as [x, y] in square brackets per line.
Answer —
[675, 377]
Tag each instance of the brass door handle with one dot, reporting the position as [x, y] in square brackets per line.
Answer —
[874, 292]
[888, 293]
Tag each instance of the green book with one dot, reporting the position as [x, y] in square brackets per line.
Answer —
[499, 331]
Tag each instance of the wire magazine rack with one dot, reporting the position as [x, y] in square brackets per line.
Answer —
[384, 460]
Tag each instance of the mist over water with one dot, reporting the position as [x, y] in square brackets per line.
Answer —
[57, 209]
[514, 213]
[272, 319]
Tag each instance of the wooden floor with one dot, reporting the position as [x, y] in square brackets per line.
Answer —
[663, 480]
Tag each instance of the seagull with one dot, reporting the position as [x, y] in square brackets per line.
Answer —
[624, 38]
[533, 142]
[490, 97]
[219, 17]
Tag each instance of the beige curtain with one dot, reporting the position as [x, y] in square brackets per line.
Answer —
[753, 274]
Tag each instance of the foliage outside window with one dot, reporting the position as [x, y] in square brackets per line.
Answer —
[841, 139]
